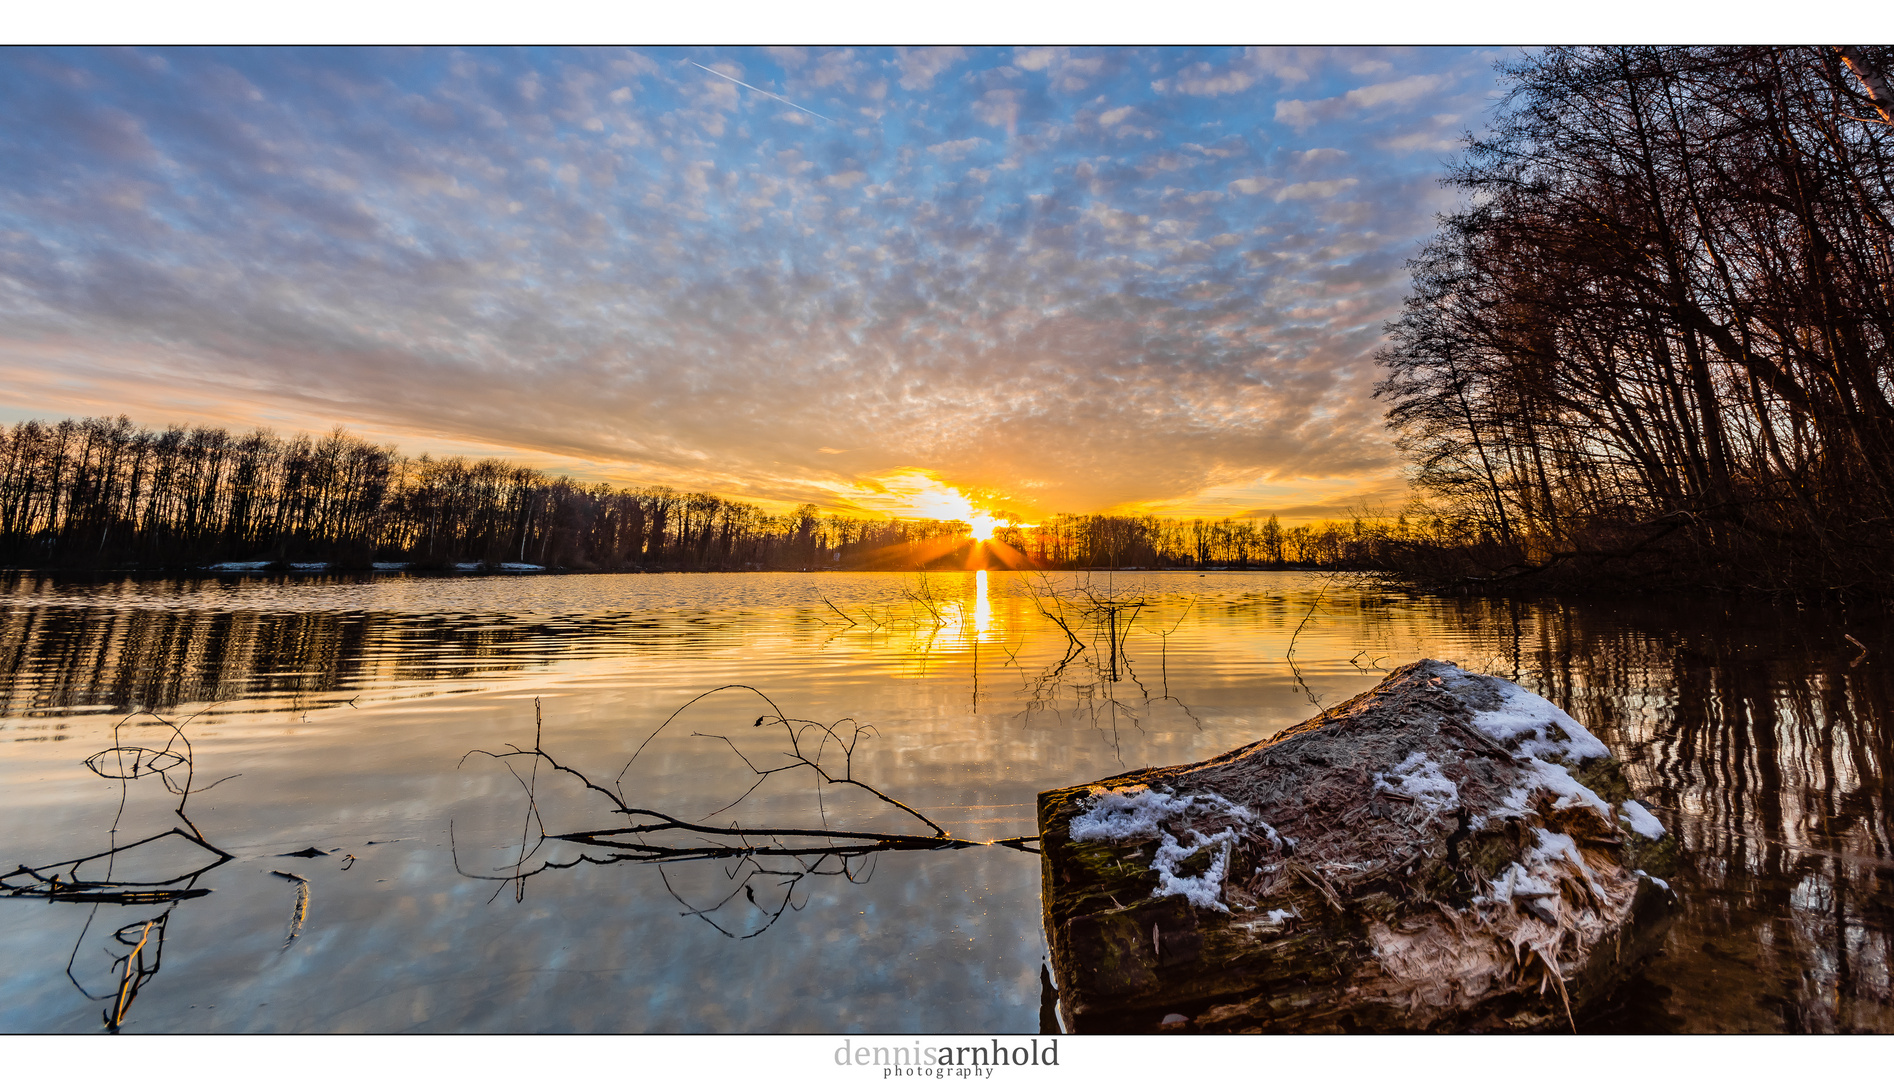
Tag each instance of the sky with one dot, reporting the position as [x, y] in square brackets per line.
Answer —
[1026, 281]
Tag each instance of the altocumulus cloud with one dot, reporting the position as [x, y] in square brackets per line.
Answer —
[1076, 278]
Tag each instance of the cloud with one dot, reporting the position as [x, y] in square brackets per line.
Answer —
[1387, 96]
[837, 67]
[1035, 59]
[1316, 189]
[625, 263]
[919, 67]
[1308, 158]
[999, 108]
[1284, 66]
[957, 149]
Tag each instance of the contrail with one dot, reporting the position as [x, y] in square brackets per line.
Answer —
[759, 90]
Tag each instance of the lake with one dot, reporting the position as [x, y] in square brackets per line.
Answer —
[353, 856]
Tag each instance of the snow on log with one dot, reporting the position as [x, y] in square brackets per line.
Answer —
[1446, 852]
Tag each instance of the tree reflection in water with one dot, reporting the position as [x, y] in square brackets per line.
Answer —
[1764, 741]
[1761, 732]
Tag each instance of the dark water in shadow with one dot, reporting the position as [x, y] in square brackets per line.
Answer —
[340, 711]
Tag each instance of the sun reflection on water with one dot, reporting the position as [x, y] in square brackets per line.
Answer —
[982, 611]
[342, 689]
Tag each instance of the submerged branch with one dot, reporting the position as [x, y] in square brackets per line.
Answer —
[783, 853]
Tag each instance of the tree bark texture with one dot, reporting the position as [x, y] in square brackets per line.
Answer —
[1419, 858]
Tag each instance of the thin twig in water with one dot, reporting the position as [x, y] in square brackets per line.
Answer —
[1290, 656]
[837, 610]
[1863, 655]
[301, 912]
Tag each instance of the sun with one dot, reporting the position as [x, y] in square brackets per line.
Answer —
[921, 493]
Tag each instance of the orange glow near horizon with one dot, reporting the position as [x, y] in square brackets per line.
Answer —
[921, 493]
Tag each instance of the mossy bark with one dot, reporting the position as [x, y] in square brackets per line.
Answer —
[1357, 908]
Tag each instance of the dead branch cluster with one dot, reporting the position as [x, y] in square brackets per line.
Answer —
[72, 880]
[762, 863]
[95, 879]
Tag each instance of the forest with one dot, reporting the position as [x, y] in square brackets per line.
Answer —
[1652, 347]
[105, 493]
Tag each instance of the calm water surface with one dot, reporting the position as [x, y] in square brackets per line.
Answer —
[338, 714]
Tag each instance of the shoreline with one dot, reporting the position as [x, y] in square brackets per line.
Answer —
[1470, 589]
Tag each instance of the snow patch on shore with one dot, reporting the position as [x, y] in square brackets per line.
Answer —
[1641, 821]
[1528, 724]
[1544, 739]
[1419, 778]
[1140, 813]
[1552, 856]
[1657, 881]
[1544, 775]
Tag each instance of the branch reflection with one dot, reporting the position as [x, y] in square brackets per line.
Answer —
[738, 879]
[164, 870]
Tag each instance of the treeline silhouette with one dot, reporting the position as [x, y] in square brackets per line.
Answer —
[1655, 345]
[1075, 541]
[107, 493]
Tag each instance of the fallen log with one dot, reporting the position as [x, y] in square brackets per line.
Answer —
[1446, 852]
